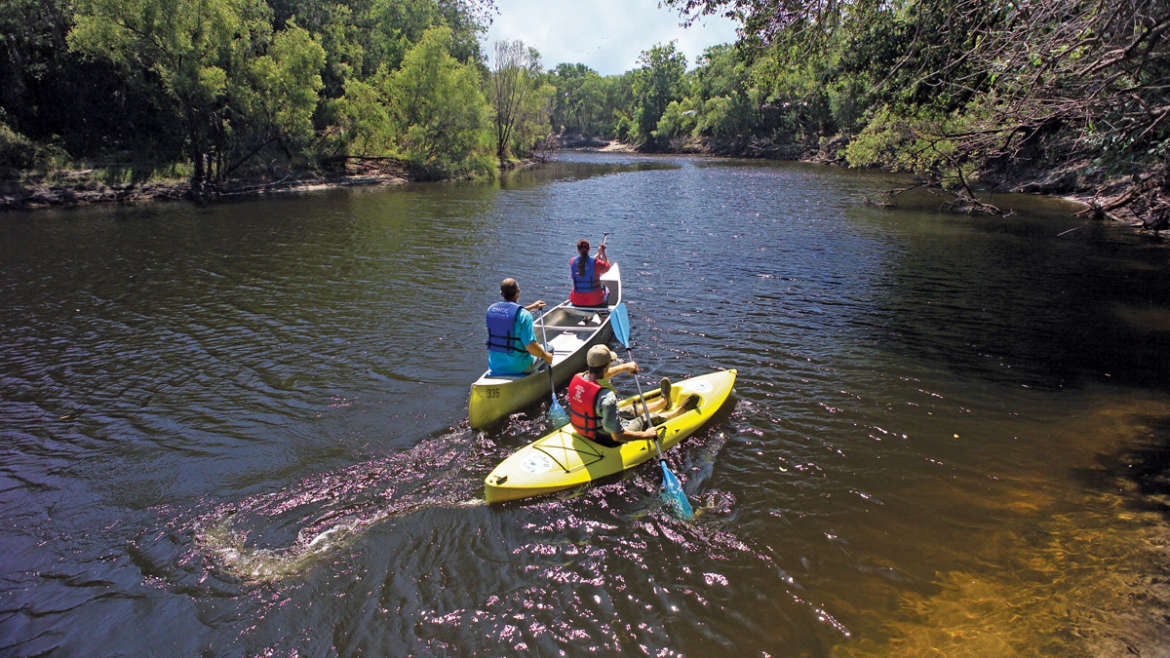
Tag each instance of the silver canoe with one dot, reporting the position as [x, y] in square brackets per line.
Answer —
[568, 331]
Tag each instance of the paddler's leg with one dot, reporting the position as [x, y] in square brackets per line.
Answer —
[692, 402]
[653, 405]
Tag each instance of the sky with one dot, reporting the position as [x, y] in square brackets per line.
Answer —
[605, 35]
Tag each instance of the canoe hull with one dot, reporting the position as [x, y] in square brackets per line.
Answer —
[564, 459]
[569, 331]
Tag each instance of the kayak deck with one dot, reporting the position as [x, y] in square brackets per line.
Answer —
[563, 459]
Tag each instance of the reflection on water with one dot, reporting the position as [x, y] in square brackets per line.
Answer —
[242, 429]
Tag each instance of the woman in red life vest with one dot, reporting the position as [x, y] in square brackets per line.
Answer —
[593, 407]
[586, 272]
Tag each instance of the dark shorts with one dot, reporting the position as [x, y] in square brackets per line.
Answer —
[603, 438]
[630, 425]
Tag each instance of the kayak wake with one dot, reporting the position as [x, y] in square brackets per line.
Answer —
[278, 534]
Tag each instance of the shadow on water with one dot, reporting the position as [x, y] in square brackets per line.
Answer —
[1140, 468]
[1071, 314]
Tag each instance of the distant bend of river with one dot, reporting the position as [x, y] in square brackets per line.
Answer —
[241, 429]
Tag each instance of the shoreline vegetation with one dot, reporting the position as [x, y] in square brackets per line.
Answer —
[101, 101]
[70, 189]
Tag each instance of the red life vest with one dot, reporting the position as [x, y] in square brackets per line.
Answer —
[587, 289]
[583, 414]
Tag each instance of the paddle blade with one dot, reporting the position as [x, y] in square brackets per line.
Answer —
[619, 318]
[673, 494]
[557, 413]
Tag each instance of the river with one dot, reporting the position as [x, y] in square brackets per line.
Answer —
[241, 430]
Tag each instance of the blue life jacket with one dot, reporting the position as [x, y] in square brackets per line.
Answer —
[501, 327]
[586, 282]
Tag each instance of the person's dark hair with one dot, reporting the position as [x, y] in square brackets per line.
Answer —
[598, 372]
[509, 289]
[583, 250]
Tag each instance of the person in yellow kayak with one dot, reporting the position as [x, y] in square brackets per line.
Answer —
[511, 343]
[593, 404]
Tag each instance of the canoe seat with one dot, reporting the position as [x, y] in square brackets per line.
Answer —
[565, 343]
[569, 327]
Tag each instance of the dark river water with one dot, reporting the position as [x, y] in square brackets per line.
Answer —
[241, 430]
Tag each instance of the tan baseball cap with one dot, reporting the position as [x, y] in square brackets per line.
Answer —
[599, 355]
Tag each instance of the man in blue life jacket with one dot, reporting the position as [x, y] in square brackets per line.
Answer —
[512, 346]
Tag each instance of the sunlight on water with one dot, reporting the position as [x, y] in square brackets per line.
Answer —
[1057, 575]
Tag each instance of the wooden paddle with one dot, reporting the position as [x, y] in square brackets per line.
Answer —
[672, 492]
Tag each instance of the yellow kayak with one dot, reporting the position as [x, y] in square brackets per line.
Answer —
[564, 459]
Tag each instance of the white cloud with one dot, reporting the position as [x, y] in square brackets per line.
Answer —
[605, 35]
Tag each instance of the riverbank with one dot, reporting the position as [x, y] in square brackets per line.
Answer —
[1119, 202]
[86, 187]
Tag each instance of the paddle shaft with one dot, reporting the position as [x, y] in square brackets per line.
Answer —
[671, 488]
[555, 409]
[620, 320]
[645, 411]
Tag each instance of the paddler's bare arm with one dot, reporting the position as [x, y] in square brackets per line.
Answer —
[538, 351]
[629, 366]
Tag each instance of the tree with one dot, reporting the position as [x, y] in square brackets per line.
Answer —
[59, 100]
[362, 123]
[968, 86]
[658, 82]
[726, 97]
[439, 112]
[196, 51]
[520, 99]
[277, 102]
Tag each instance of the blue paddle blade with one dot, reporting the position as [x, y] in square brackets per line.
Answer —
[557, 414]
[619, 319]
[673, 494]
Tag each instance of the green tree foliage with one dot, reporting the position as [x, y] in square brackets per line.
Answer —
[278, 100]
[621, 96]
[199, 52]
[363, 37]
[679, 119]
[950, 88]
[726, 100]
[224, 85]
[657, 82]
[440, 116]
[52, 96]
[521, 99]
[362, 124]
[340, 28]
[581, 104]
